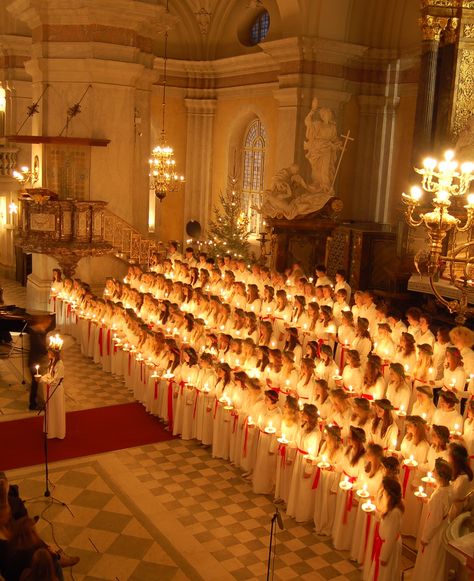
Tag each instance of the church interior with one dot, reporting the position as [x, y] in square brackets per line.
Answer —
[236, 290]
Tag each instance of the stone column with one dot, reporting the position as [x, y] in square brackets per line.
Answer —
[199, 148]
[431, 29]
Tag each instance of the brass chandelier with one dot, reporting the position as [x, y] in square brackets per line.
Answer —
[448, 183]
[163, 176]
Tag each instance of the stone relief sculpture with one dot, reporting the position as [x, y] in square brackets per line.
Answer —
[290, 195]
[465, 143]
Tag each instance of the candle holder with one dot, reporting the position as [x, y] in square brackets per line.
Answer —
[428, 479]
[420, 493]
[250, 422]
[363, 492]
[410, 462]
[324, 464]
[345, 484]
[283, 441]
[270, 430]
[368, 506]
[168, 375]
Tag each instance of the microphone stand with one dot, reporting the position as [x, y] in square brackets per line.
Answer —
[276, 519]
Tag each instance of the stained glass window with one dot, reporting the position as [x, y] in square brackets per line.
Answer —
[252, 179]
[260, 28]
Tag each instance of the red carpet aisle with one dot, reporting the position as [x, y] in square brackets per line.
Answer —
[92, 431]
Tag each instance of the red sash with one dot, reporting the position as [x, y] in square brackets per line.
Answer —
[236, 419]
[406, 478]
[317, 477]
[343, 353]
[156, 389]
[376, 550]
[367, 530]
[282, 452]
[129, 364]
[89, 330]
[101, 342]
[196, 397]
[246, 437]
[170, 404]
[349, 499]
[108, 342]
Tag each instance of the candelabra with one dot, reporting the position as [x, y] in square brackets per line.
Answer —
[163, 177]
[448, 184]
[27, 175]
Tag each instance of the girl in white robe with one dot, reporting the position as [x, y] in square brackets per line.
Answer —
[384, 428]
[54, 424]
[352, 376]
[189, 376]
[301, 497]
[286, 449]
[462, 480]
[353, 464]
[263, 477]
[414, 447]
[369, 484]
[204, 396]
[221, 415]
[387, 544]
[326, 479]
[255, 409]
[398, 390]
[345, 336]
[431, 557]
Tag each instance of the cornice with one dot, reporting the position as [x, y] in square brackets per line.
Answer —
[150, 20]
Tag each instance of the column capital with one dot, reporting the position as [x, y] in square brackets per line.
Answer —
[432, 26]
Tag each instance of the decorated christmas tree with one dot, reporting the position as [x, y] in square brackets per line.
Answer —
[228, 232]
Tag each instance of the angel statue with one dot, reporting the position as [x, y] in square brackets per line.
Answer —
[322, 146]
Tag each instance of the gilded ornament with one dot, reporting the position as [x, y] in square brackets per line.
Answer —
[468, 30]
[450, 35]
[465, 91]
[432, 27]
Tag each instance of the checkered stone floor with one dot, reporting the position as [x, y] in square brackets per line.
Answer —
[101, 526]
[216, 505]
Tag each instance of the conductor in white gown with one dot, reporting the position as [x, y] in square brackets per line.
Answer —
[53, 392]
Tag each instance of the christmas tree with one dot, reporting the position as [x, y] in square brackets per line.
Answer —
[228, 232]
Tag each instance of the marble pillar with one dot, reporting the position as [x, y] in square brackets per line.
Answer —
[199, 147]
[431, 29]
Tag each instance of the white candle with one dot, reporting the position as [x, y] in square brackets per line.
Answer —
[37, 369]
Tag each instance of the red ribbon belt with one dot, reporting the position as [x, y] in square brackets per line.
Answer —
[282, 452]
[89, 330]
[376, 550]
[196, 397]
[349, 499]
[129, 364]
[156, 389]
[343, 353]
[215, 407]
[170, 404]
[368, 396]
[406, 478]
[317, 477]
[236, 419]
[367, 530]
[246, 437]
[108, 342]
[101, 342]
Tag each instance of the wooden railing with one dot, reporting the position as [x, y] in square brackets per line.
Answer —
[128, 243]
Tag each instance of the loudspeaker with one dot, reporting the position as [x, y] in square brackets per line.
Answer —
[193, 229]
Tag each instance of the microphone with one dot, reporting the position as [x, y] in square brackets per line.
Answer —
[279, 520]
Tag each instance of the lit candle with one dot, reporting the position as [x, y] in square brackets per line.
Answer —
[37, 370]
[420, 493]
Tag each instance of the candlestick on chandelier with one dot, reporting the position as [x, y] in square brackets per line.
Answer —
[163, 177]
[449, 184]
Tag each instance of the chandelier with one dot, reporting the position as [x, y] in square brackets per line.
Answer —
[163, 176]
[448, 183]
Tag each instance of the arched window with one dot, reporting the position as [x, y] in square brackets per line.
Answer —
[252, 179]
[259, 28]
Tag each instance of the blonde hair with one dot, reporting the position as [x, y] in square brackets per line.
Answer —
[462, 335]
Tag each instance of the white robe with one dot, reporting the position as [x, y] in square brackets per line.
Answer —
[265, 467]
[301, 497]
[389, 531]
[430, 561]
[55, 417]
[325, 488]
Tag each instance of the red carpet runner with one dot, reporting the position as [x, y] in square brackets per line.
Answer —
[87, 432]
